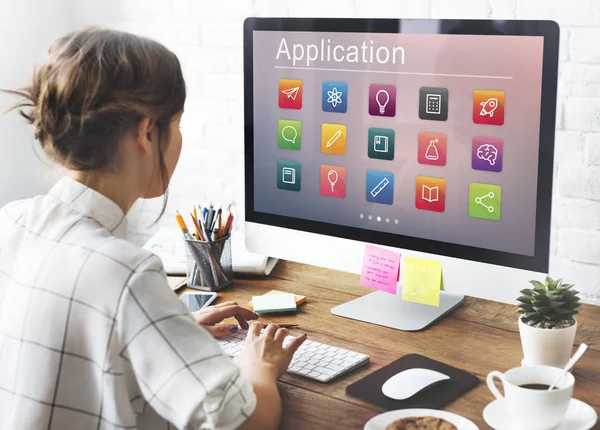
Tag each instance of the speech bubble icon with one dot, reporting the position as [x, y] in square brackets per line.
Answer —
[289, 133]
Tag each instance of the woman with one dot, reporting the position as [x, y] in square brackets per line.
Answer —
[91, 336]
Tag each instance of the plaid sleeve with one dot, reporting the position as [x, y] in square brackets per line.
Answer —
[182, 372]
[7, 221]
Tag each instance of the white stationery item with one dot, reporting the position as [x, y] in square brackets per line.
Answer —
[168, 244]
[381, 421]
[582, 348]
[270, 303]
[529, 404]
[579, 416]
[313, 360]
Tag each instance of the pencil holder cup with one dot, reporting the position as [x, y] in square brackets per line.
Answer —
[209, 265]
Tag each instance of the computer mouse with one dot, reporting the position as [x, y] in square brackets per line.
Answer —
[409, 382]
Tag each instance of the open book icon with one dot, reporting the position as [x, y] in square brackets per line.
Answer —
[430, 194]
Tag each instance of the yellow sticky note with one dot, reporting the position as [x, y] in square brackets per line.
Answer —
[422, 280]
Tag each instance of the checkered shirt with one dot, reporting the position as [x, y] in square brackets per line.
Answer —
[91, 336]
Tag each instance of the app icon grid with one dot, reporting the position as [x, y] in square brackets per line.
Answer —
[433, 104]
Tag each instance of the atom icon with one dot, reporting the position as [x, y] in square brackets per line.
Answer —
[334, 97]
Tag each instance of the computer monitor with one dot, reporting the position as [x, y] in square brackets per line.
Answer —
[431, 137]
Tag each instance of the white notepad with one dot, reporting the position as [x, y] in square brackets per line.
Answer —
[274, 303]
[168, 244]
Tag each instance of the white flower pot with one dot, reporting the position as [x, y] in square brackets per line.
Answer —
[547, 347]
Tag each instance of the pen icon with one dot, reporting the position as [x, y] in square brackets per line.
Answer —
[335, 137]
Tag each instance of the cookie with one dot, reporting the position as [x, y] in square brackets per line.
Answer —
[421, 423]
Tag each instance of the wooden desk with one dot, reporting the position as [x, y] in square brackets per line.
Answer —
[479, 337]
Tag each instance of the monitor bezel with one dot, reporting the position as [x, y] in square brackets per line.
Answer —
[549, 30]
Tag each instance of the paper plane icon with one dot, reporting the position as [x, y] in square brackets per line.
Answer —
[291, 92]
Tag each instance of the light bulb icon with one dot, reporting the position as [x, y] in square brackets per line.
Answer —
[382, 98]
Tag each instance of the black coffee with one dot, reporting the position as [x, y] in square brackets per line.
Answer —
[543, 387]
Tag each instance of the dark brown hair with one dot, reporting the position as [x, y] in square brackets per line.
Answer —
[95, 86]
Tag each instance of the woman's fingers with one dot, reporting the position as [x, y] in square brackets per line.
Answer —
[295, 343]
[220, 305]
[254, 331]
[271, 330]
[218, 314]
[280, 335]
[220, 330]
[242, 316]
[242, 321]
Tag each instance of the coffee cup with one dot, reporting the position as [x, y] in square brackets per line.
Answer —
[527, 399]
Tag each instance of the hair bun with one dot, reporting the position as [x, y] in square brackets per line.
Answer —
[95, 85]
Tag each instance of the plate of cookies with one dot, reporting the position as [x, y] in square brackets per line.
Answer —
[419, 419]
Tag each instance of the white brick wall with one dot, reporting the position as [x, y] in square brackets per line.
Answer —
[207, 36]
[581, 246]
[593, 150]
[584, 45]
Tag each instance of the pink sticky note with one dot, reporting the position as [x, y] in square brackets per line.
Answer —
[380, 269]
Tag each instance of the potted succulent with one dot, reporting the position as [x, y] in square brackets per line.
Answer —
[547, 324]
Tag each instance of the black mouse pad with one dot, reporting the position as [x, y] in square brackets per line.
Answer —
[433, 397]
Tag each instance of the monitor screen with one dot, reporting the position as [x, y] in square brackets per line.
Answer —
[421, 134]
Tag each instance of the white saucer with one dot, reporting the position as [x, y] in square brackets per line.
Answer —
[381, 421]
[579, 416]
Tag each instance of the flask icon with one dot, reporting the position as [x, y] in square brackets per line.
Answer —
[432, 151]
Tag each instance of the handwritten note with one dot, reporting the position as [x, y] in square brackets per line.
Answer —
[380, 269]
[422, 281]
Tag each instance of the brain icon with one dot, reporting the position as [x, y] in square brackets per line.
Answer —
[487, 152]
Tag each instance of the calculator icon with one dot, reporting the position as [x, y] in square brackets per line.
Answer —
[433, 103]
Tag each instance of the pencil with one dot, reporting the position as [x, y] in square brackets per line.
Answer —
[287, 325]
[182, 226]
[226, 221]
[209, 218]
[197, 227]
[229, 225]
[193, 216]
[219, 223]
[204, 231]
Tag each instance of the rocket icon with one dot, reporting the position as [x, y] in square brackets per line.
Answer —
[488, 107]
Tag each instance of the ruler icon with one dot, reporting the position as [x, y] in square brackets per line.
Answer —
[380, 186]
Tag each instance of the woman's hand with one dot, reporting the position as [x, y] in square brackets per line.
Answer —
[264, 358]
[210, 318]
[262, 362]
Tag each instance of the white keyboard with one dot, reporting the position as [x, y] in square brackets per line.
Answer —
[312, 360]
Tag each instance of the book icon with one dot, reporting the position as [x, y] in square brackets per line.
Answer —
[430, 194]
[380, 143]
[288, 175]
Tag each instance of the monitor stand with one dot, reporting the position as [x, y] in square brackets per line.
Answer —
[391, 311]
